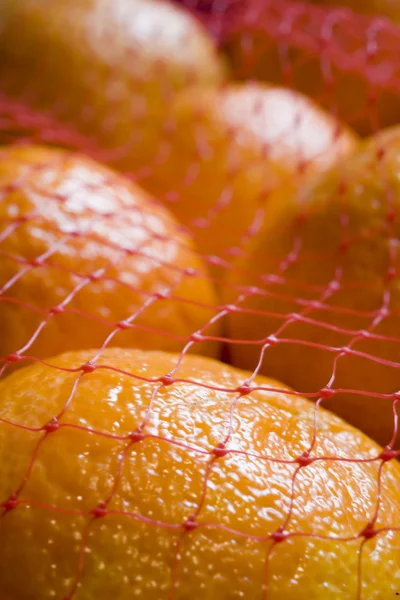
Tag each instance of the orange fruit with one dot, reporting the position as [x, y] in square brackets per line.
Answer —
[86, 254]
[326, 285]
[115, 485]
[107, 69]
[346, 61]
[230, 149]
[381, 8]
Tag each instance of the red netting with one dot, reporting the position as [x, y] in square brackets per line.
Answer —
[280, 267]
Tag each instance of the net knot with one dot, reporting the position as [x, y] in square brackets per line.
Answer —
[88, 368]
[364, 333]
[252, 290]
[272, 340]
[315, 304]
[326, 392]
[52, 425]
[279, 535]
[11, 503]
[300, 218]
[56, 310]
[244, 389]
[161, 295]
[304, 460]
[136, 436]
[10, 187]
[334, 286]
[391, 216]
[123, 325]
[96, 275]
[99, 511]
[196, 337]
[14, 357]
[342, 187]
[167, 379]
[36, 262]
[369, 531]
[383, 312]
[295, 317]
[345, 351]
[190, 524]
[220, 451]
[388, 454]
[230, 308]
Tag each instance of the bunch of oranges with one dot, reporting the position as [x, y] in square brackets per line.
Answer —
[198, 216]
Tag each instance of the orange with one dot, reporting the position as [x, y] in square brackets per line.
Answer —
[326, 285]
[213, 155]
[347, 62]
[381, 8]
[119, 486]
[230, 149]
[108, 69]
[85, 255]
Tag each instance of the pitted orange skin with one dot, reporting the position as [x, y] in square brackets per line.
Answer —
[231, 149]
[130, 527]
[333, 242]
[81, 239]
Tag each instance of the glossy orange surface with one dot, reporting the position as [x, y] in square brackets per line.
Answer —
[83, 249]
[109, 510]
[231, 149]
[326, 273]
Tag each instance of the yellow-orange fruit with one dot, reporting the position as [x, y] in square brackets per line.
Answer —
[85, 254]
[113, 486]
[346, 61]
[108, 69]
[327, 285]
[230, 149]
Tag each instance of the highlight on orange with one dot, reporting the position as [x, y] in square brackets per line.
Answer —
[319, 291]
[346, 61]
[138, 473]
[231, 148]
[89, 259]
[107, 69]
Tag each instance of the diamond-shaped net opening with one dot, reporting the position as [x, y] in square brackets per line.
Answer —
[179, 183]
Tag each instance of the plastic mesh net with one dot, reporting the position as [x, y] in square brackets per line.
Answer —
[91, 262]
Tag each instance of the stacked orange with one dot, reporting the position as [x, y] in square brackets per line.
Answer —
[213, 153]
[326, 273]
[88, 258]
[129, 471]
[231, 150]
[122, 485]
[346, 61]
[107, 69]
